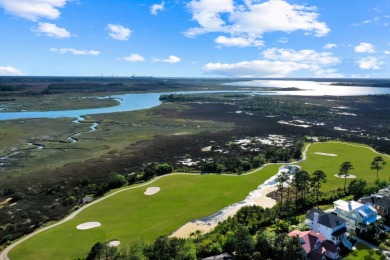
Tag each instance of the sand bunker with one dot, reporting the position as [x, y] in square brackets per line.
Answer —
[114, 243]
[151, 190]
[343, 176]
[88, 225]
[326, 154]
[256, 197]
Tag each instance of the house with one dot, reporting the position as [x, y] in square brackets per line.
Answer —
[332, 227]
[315, 246]
[358, 216]
[224, 256]
[380, 201]
[87, 199]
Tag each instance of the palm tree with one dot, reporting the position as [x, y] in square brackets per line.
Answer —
[377, 164]
[345, 167]
[316, 180]
[281, 179]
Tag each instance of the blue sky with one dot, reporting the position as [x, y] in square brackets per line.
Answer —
[195, 38]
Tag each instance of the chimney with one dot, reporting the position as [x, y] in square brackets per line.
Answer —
[349, 205]
[315, 221]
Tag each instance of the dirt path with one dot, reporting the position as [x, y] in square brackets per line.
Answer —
[4, 254]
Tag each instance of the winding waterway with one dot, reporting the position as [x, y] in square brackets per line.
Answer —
[131, 102]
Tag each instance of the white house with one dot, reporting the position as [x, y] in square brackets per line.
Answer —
[332, 227]
[357, 216]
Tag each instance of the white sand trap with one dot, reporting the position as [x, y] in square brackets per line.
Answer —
[114, 243]
[343, 176]
[152, 190]
[326, 154]
[88, 225]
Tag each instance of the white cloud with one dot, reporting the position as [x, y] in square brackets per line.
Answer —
[253, 18]
[208, 14]
[10, 71]
[34, 9]
[154, 9]
[171, 59]
[255, 68]
[280, 63]
[329, 46]
[328, 73]
[304, 56]
[75, 51]
[238, 41]
[134, 58]
[386, 52]
[369, 63]
[51, 30]
[118, 32]
[364, 47]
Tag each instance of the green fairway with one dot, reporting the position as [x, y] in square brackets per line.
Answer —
[130, 215]
[359, 155]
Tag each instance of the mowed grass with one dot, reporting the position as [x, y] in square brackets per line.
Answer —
[130, 215]
[362, 252]
[359, 155]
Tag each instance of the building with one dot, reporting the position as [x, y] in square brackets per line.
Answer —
[315, 246]
[380, 201]
[332, 227]
[358, 216]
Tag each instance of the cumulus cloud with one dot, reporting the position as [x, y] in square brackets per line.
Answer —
[52, 30]
[238, 41]
[253, 18]
[387, 52]
[305, 56]
[75, 51]
[171, 59]
[255, 68]
[34, 9]
[329, 46]
[364, 47]
[10, 71]
[118, 32]
[154, 9]
[133, 58]
[369, 63]
[280, 63]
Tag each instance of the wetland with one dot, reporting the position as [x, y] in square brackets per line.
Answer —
[49, 163]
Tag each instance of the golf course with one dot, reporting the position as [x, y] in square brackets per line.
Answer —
[128, 215]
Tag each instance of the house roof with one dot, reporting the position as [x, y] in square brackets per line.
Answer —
[339, 232]
[326, 219]
[311, 241]
[310, 215]
[385, 192]
[347, 205]
[329, 246]
[330, 220]
[378, 200]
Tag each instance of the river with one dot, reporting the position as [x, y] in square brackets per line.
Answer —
[131, 102]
